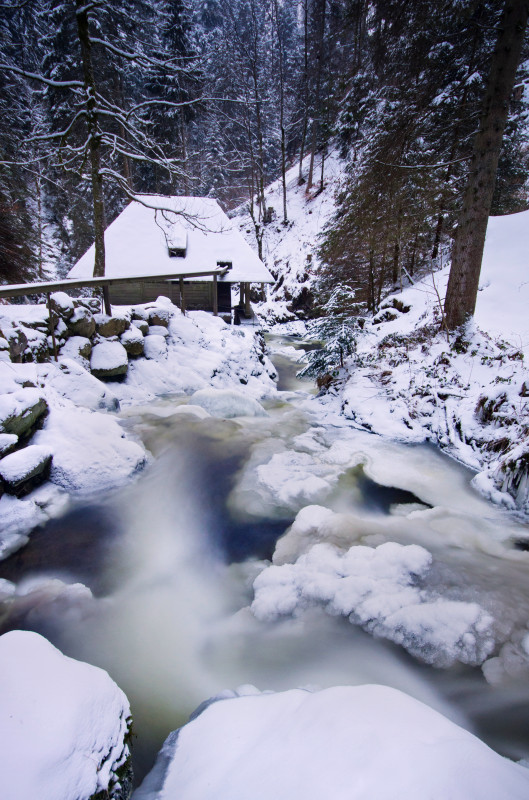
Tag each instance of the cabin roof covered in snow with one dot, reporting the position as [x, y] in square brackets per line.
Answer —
[138, 242]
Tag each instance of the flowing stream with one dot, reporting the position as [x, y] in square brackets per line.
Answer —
[154, 582]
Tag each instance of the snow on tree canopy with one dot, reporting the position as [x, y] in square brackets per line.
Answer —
[139, 241]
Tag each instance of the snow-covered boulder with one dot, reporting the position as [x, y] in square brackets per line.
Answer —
[109, 360]
[90, 451]
[78, 348]
[160, 316]
[62, 304]
[155, 347]
[111, 326]
[82, 322]
[64, 725]
[345, 743]
[8, 442]
[24, 469]
[132, 341]
[158, 330]
[20, 411]
[227, 403]
[69, 379]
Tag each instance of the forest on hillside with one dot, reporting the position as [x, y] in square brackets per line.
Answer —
[101, 100]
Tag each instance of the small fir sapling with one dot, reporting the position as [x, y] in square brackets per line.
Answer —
[337, 329]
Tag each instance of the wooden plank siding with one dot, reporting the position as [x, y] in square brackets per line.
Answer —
[198, 294]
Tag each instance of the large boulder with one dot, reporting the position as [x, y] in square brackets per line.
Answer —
[64, 726]
[155, 347]
[111, 326]
[82, 323]
[25, 469]
[133, 342]
[62, 304]
[8, 442]
[160, 316]
[344, 743]
[227, 403]
[109, 360]
[21, 411]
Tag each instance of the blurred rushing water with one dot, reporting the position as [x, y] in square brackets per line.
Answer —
[170, 560]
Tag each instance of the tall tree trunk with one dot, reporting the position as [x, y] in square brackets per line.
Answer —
[282, 111]
[469, 241]
[317, 95]
[305, 88]
[98, 202]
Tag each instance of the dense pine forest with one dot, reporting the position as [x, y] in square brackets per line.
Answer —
[219, 97]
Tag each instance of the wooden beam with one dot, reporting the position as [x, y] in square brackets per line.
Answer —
[182, 297]
[215, 297]
[247, 307]
[106, 301]
[22, 289]
[52, 326]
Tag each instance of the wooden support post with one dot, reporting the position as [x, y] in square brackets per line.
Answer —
[52, 327]
[182, 297]
[215, 297]
[247, 308]
[106, 301]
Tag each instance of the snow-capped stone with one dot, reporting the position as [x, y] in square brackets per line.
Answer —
[109, 360]
[64, 725]
[20, 411]
[132, 341]
[158, 330]
[82, 322]
[25, 467]
[111, 326]
[8, 442]
[78, 348]
[227, 403]
[345, 743]
[72, 381]
[160, 316]
[62, 304]
[155, 347]
[90, 451]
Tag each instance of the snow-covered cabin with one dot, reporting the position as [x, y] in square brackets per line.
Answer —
[157, 235]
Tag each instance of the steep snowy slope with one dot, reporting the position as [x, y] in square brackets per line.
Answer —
[290, 251]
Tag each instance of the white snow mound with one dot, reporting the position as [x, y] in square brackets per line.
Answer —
[63, 722]
[345, 743]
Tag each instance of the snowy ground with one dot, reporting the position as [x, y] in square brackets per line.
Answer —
[289, 251]
[469, 393]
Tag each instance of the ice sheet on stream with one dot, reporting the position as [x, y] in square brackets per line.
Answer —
[443, 605]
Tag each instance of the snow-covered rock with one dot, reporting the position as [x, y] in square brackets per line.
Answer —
[345, 743]
[77, 347]
[21, 410]
[155, 346]
[227, 403]
[90, 451]
[112, 326]
[109, 360]
[62, 304]
[64, 725]
[72, 381]
[24, 467]
[133, 341]
[8, 442]
[82, 322]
